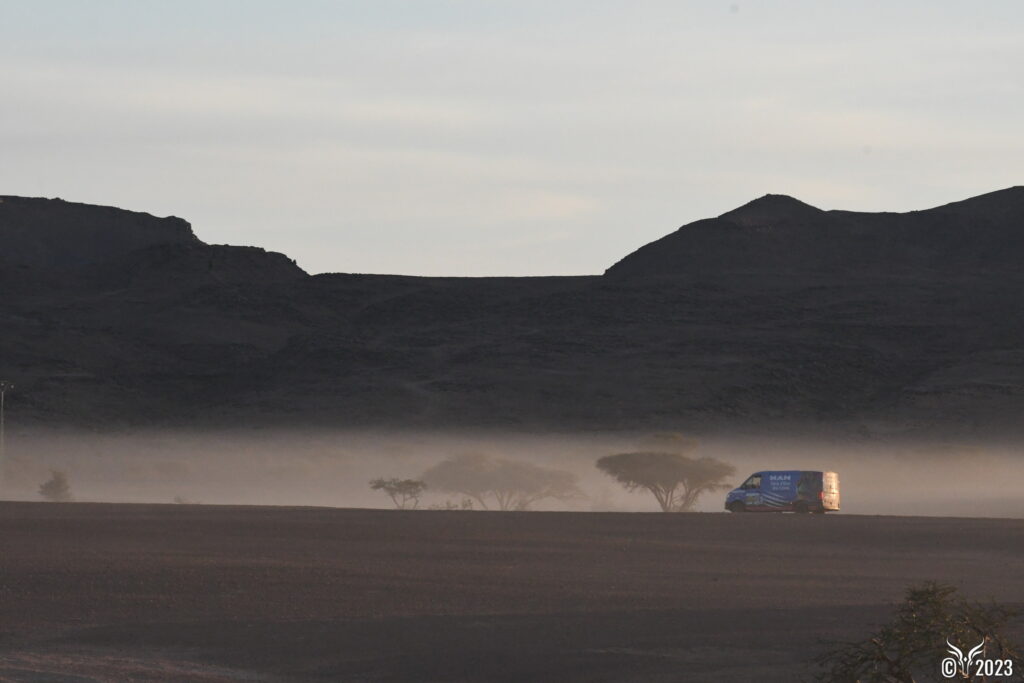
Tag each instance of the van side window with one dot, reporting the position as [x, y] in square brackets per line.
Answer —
[753, 483]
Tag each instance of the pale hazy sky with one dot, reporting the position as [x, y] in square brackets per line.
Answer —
[479, 137]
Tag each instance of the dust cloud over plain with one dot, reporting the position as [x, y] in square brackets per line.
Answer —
[334, 468]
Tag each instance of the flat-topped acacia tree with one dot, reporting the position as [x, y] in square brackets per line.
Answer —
[505, 484]
[56, 489]
[404, 493]
[675, 479]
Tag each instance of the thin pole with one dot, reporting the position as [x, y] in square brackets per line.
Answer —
[3, 390]
[4, 386]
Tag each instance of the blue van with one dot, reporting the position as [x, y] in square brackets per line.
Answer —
[786, 491]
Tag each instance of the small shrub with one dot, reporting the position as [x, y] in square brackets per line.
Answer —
[464, 504]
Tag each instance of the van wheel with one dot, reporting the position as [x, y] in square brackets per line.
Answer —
[737, 506]
[801, 508]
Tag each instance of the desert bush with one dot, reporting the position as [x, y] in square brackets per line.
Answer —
[507, 484]
[675, 479]
[448, 504]
[404, 493]
[931, 621]
[56, 489]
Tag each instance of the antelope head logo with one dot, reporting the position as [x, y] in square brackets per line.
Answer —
[968, 659]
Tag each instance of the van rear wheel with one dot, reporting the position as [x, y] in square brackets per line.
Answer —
[801, 508]
[737, 506]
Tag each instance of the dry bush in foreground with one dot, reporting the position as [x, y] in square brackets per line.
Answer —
[932, 624]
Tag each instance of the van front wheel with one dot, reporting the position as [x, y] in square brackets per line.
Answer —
[737, 506]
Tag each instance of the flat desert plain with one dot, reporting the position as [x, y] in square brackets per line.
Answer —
[98, 592]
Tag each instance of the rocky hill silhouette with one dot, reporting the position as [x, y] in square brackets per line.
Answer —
[783, 234]
[53, 244]
[776, 315]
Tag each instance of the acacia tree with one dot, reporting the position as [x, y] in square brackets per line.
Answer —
[404, 493]
[507, 484]
[56, 489]
[676, 480]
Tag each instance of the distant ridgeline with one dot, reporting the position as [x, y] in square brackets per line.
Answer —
[53, 242]
[774, 316]
[785, 234]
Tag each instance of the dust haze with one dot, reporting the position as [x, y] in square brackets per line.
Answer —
[333, 468]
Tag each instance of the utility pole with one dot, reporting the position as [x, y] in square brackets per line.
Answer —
[5, 386]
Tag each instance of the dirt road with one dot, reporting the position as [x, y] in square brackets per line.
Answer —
[178, 592]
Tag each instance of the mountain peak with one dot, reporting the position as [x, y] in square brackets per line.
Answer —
[777, 234]
[771, 208]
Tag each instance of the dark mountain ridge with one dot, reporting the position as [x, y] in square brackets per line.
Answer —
[782, 234]
[50, 243]
[776, 315]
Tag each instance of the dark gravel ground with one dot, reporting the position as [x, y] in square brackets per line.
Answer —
[179, 592]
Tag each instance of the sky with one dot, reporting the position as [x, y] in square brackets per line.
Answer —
[484, 137]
